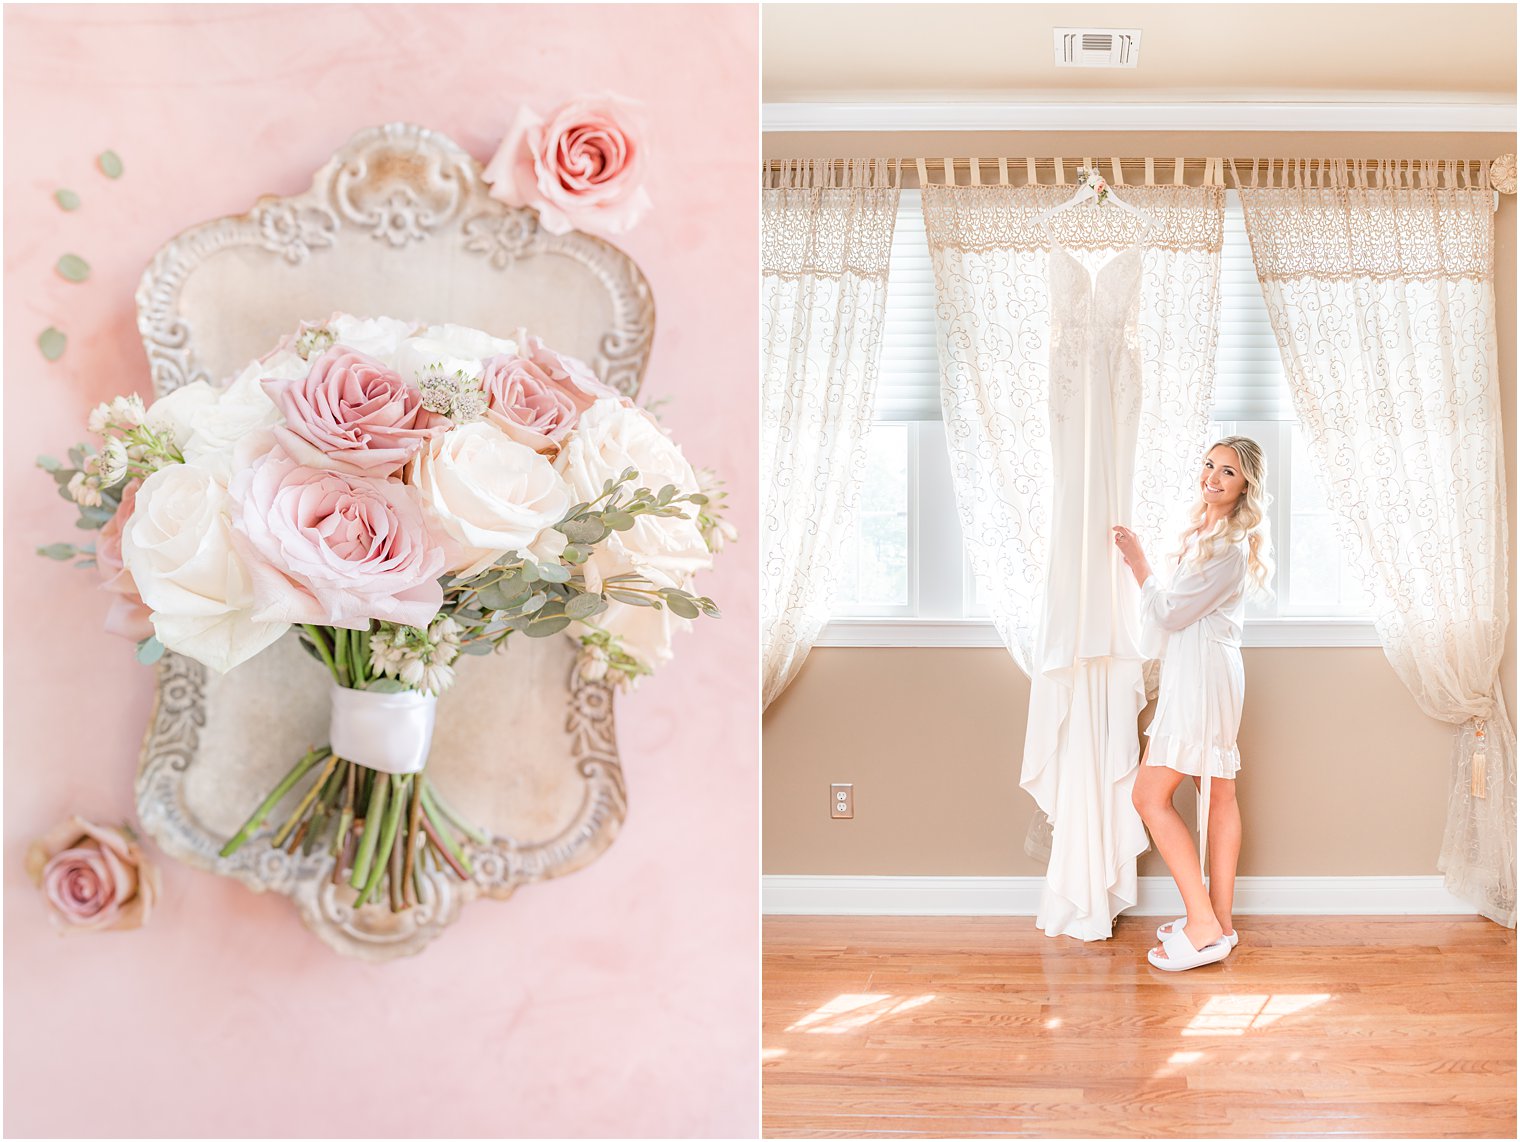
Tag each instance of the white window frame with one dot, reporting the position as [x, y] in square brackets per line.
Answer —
[942, 582]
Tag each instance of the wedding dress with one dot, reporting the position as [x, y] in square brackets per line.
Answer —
[1081, 751]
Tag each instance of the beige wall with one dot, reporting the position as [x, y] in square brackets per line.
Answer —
[1341, 773]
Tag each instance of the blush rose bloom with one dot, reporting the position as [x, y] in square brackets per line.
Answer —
[94, 878]
[581, 169]
[352, 414]
[128, 617]
[329, 548]
[491, 495]
[536, 395]
[177, 546]
[610, 437]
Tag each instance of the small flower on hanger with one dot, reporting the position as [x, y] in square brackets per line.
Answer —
[1085, 176]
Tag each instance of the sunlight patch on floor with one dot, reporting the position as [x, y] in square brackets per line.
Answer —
[1237, 1014]
[850, 1012]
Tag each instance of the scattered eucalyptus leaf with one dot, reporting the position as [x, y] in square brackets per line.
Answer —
[48, 464]
[150, 650]
[71, 267]
[479, 647]
[59, 551]
[66, 199]
[52, 342]
[110, 164]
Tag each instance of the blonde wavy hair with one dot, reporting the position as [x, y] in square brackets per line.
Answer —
[1247, 521]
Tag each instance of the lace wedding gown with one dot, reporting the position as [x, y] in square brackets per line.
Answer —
[1087, 688]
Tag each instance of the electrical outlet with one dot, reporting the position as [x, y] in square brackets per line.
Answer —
[841, 801]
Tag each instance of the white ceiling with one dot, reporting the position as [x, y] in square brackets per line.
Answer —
[823, 52]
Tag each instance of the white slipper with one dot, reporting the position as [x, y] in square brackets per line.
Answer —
[1180, 923]
[1181, 955]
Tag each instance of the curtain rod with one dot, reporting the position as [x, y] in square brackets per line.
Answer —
[1151, 171]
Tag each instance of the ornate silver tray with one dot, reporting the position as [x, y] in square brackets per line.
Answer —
[397, 223]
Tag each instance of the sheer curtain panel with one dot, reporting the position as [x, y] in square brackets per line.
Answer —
[826, 242]
[1379, 283]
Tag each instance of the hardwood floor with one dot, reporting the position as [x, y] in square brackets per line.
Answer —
[1392, 1027]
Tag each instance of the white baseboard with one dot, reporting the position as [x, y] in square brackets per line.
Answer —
[1020, 896]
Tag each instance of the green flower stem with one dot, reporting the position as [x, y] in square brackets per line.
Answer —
[394, 882]
[320, 641]
[440, 833]
[446, 811]
[373, 817]
[395, 791]
[413, 830]
[321, 814]
[340, 652]
[442, 851]
[345, 816]
[305, 803]
[284, 787]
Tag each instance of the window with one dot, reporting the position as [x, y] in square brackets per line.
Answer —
[905, 579]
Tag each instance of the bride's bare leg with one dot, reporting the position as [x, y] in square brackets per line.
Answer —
[1224, 849]
[1154, 786]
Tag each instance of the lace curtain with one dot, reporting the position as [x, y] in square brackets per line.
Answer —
[826, 242]
[990, 263]
[1382, 299]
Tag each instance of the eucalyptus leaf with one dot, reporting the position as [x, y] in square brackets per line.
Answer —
[589, 530]
[538, 600]
[681, 605]
[73, 268]
[85, 563]
[529, 571]
[631, 599]
[385, 686]
[696, 498]
[481, 647]
[554, 573]
[150, 650]
[493, 598]
[584, 606]
[66, 199]
[110, 164]
[542, 628]
[618, 521]
[48, 464]
[575, 555]
[52, 343]
[59, 551]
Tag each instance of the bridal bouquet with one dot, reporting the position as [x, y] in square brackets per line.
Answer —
[402, 496]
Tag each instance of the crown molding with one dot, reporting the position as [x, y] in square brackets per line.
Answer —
[1359, 114]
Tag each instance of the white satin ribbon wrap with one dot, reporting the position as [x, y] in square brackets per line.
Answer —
[388, 732]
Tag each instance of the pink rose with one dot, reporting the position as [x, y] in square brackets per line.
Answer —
[329, 548]
[582, 169]
[128, 617]
[536, 395]
[352, 414]
[94, 877]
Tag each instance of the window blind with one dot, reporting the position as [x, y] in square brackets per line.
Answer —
[1248, 375]
[908, 382]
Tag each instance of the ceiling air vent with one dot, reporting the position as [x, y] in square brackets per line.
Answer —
[1097, 47]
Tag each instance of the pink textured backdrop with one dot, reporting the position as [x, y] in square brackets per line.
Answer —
[622, 1000]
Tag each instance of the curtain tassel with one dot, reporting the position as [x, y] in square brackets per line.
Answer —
[1480, 761]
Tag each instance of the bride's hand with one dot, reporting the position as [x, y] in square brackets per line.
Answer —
[1128, 544]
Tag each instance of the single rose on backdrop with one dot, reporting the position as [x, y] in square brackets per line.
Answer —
[582, 168]
[93, 877]
[403, 496]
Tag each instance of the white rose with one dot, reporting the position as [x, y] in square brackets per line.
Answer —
[376, 337]
[450, 348]
[178, 547]
[175, 413]
[233, 430]
[490, 495]
[609, 438]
